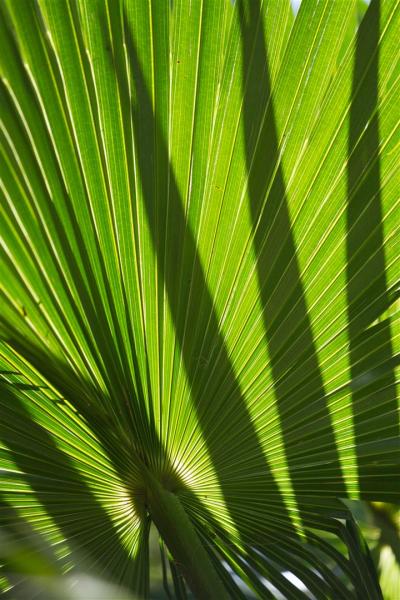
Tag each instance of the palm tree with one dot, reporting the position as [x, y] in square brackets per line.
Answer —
[200, 316]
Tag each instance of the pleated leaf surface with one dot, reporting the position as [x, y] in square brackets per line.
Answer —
[200, 213]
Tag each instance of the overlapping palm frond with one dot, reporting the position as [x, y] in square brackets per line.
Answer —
[200, 289]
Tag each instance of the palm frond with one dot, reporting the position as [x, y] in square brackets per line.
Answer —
[200, 234]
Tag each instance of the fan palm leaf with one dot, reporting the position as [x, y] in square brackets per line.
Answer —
[199, 312]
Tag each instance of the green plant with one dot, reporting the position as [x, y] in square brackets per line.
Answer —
[380, 524]
[199, 312]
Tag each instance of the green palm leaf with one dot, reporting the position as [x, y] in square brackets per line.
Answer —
[200, 317]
